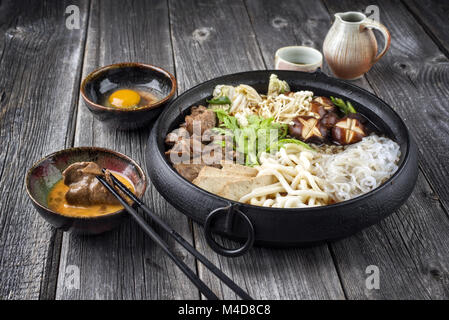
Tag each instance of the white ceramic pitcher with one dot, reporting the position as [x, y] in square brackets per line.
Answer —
[350, 47]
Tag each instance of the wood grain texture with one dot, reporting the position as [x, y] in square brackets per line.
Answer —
[124, 263]
[209, 40]
[433, 16]
[411, 247]
[40, 62]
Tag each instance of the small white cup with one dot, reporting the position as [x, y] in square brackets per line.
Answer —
[298, 58]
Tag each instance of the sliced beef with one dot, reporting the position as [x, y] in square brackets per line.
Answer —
[76, 171]
[213, 154]
[210, 135]
[185, 149]
[176, 135]
[84, 187]
[185, 143]
[193, 144]
[108, 177]
[200, 117]
[189, 170]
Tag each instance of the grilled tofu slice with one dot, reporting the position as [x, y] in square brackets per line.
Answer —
[237, 189]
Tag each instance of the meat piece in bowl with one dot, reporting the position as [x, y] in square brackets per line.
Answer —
[84, 188]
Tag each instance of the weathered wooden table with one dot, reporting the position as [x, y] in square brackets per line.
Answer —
[42, 63]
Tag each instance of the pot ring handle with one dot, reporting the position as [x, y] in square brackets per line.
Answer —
[230, 211]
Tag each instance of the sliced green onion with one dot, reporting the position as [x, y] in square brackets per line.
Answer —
[219, 100]
[280, 143]
[344, 107]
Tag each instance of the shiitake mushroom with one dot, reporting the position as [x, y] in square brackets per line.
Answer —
[326, 103]
[324, 123]
[329, 119]
[308, 129]
[317, 109]
[348, 130]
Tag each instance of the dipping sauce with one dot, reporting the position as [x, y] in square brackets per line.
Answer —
[131, 98]
[56, 201]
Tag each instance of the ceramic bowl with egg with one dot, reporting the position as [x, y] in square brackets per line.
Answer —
[45, 174]
[128, 95]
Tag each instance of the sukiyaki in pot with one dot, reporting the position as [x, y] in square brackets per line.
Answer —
[340, 161]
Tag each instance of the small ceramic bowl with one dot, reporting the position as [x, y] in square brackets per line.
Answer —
[46, 172]
[126, 75]
[298, 58]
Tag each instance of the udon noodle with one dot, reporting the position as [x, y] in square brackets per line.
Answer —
[297, 186]
[307, 178]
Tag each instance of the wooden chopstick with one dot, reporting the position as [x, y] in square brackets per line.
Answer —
[178, 238]
[204, 289]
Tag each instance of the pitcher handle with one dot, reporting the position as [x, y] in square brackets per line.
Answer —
[369, 23]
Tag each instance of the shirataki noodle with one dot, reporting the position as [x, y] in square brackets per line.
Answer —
[358, 169]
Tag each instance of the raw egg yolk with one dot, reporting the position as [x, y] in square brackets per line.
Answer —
[124, 98]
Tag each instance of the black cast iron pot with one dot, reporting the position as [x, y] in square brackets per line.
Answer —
[274, 226]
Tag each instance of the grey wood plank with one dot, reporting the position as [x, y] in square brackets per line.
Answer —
[411, 248]
[215, 38]
[433, 16]
[40, 63]
[280, 274]
[124, 263]
[210, 39]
